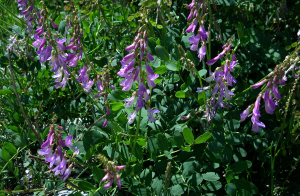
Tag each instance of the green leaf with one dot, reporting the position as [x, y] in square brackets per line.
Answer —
[230, 189]
[245, 184]
[5, 92]
[157, 186]
[18, 117]
[195, 179]
[161, 69]
[177, 189]
[61, 26]
[203, 138]
[212, 186]
[243, 192]
[182, 94]
[171, 66]
[202, 72]
[211, 176]
[116, 106]
[57, 20]
[240, 166]
[10, 148]
[162, 53]
[162, 142]
[234, 138]
[178, 139]
[5, 155]
[215, 147]
[97, 174]
[188, 135]
[86, 186]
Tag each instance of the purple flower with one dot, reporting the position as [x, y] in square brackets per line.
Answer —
[104, 124]
[245, 114]
[202, 52]
[194, 41]
[109, 183]
[150, 114]
[118, 181]
[59, 44]
[68, 141]
[45, 54]
[202, 33]
[275, 91]
[255, 117]
[259, 84]
[129, 101]
[131, 117]
[66, 174]
[192, 27]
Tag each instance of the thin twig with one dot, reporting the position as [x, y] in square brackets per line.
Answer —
[19, 102]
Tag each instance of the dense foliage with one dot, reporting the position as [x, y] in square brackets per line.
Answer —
[153, 97]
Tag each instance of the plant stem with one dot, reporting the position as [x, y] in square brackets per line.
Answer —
[136, 134]
[19, 102]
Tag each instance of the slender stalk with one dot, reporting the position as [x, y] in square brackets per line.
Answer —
[272, 167]
[136, 134]
[210, 24]
[19, 102]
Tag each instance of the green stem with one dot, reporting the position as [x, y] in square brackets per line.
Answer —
[14, 156]
[136, 134]
[210, 24]
[272, 168]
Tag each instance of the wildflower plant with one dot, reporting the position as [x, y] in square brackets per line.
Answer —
[151, 97]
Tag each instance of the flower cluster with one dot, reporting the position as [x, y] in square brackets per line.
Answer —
[271, 92]
[57, 158]
[49, 46]
[29, 12]
[103, 84]
[223, 78]
[133, 73]
[112, 172]
[202, 34]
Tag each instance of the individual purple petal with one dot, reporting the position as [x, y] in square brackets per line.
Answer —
[150, 57]
[275, 91]
[244, 114]
[131, 117]
[203, 33]
[259, 84]
[66, 174]
[129, 101]
[108, 184]
[104, 124]
[45, 151]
